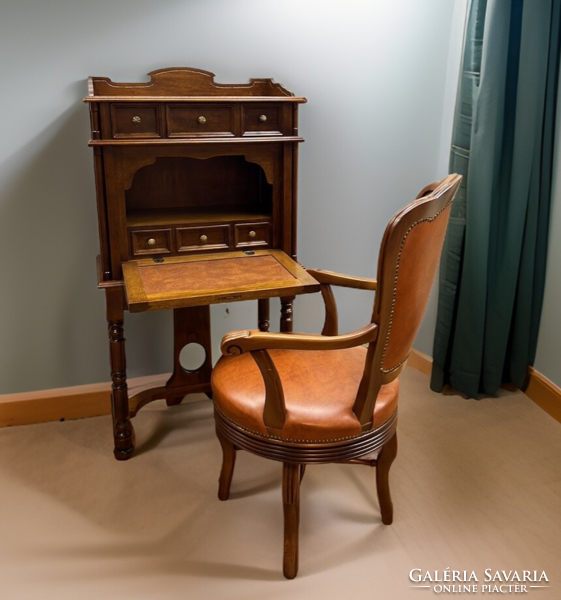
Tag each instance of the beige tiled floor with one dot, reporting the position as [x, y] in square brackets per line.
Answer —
[476, 485]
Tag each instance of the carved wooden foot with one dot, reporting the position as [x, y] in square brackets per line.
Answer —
[123, 435]
[174, 401]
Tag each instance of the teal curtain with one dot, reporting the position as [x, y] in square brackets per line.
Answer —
[493, 265]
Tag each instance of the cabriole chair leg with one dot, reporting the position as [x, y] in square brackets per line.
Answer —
[291, 506]
[383, 464]
[228, 463]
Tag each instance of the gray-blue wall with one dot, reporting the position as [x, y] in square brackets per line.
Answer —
[548, 358]
[380, 78]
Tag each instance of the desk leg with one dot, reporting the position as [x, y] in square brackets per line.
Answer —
[123, 432]
[286, 314]
[263, 314]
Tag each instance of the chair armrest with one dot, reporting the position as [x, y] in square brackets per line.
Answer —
[332, 278]
[326, 280]
[238, 342]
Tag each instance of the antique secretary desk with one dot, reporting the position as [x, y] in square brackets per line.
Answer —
[196, 197]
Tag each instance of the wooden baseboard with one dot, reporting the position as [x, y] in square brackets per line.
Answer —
[540, 390]
[94, 400]
[420, 361]
[544, 393]
[76, 402]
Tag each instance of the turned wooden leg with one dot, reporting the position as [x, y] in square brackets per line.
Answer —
[291, 507]
[263, 314]
[383, 464]
[228, 463]
[286, 314]
[123, 432]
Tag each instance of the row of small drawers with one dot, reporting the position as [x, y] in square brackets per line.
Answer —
[154, 120]
[205, 238]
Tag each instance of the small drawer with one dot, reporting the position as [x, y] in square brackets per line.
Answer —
[150, 241]
[200, 120]
[251, 234]
[262, 119]
[135, 121]
[195, 239]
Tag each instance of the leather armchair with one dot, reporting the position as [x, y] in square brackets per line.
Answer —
[308, 399]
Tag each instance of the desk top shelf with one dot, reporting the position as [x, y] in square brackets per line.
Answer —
[184, 84]
[186, 165]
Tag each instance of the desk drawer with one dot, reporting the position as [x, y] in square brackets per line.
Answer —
[200, 120]
[203, 238]
[262, 119]
[135, 121]
[251, 234]
[150, 241]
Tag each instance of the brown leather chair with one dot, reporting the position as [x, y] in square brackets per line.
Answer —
[309, 399]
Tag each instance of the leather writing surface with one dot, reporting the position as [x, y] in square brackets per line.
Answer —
[178, 282]
[227, 273]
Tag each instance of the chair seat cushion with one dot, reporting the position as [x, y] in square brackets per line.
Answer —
[319, 387]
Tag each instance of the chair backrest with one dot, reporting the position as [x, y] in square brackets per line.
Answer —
[407, 264]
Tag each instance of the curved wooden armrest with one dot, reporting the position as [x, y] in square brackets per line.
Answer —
[332, 278]
[238, 342]
[326, 280]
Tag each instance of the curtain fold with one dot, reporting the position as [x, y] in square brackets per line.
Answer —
[493, 266]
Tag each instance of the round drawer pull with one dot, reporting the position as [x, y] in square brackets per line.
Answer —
[201, 120]
[151, 242]
[136, 120]
[252, 234]
[263, 118]
[203, 238]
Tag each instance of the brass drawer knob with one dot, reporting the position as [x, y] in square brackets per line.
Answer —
[201, 120]
[136, 120]
[203, 238]
[263, 118]
[151, 242]
[252, 234]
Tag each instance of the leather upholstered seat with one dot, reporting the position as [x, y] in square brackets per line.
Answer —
[319, 392]
[308, 399]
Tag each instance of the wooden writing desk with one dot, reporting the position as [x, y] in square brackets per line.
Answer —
[196, 196]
